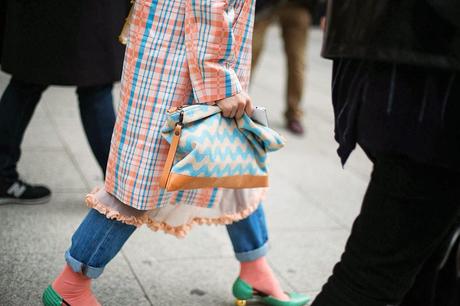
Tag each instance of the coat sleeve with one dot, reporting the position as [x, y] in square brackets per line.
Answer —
[210, 45]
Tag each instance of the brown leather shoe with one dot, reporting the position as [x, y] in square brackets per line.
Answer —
[295, 127]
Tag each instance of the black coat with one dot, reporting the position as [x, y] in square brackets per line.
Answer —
[72, 42]
[418, 32]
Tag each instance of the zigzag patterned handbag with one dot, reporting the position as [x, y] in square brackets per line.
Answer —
[209, 150]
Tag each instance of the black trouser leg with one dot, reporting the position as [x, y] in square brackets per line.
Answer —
[17, 106]
[98, 118]
[438, 282]
[407, 212]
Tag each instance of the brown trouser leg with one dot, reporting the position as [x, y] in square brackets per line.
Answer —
[295, 22]
[260, 28]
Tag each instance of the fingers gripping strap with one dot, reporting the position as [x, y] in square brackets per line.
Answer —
[171, 156]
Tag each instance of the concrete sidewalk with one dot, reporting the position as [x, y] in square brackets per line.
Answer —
[310, 207]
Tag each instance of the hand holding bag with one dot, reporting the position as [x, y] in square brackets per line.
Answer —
[209, 150]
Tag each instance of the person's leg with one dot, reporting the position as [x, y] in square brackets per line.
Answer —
[260, 28]
[94, 244]
[295, 23]
[98, 118]
[407, 212]
[17, 106]
[438, 282]
[249, 238]
[97, 240]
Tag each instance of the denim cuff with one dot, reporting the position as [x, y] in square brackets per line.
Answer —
[252, 255]
[79, 267]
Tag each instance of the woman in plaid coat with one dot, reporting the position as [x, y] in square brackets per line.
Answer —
[178, 52]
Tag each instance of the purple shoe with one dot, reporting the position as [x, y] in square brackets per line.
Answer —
[295, 127]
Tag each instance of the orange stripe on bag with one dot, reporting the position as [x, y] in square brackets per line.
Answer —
[184, 182]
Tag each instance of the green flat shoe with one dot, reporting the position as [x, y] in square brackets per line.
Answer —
[52, 298]
[244, 292]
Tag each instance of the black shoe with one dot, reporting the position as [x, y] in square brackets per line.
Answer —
[19, 192]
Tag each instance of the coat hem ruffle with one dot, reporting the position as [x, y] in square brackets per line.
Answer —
[179, 231]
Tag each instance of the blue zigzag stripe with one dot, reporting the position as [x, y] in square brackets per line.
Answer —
[223, 154]
[214, 137]
[220, 136]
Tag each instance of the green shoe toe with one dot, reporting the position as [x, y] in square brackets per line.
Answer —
[52, 298]
[243, 292]
[296, 299]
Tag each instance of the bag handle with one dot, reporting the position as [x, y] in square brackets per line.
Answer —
[171, 156]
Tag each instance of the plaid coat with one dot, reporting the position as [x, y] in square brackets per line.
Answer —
[179, 52]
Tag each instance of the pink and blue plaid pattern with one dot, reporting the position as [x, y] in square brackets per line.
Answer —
[179, 52]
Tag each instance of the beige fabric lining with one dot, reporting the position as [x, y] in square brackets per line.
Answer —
[178, 220]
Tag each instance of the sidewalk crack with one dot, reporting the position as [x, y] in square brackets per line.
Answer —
[137, 278]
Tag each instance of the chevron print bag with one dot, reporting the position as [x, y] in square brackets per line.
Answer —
[209, 150]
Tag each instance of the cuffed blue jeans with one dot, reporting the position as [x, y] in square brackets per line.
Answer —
[98, 239]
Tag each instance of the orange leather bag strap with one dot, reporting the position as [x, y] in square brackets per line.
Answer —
[171, 156]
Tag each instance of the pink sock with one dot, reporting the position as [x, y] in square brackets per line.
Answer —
[74, 288]
[260, 276]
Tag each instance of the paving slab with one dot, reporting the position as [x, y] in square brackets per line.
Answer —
[193, 282]
[41, 228]
[61, 103]
[77, 145]
[305, 258]
[289, 208]
[202, 242]
[41, 135]
[321, 178]
[55, 169]
[119, 286]
[26, 275]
